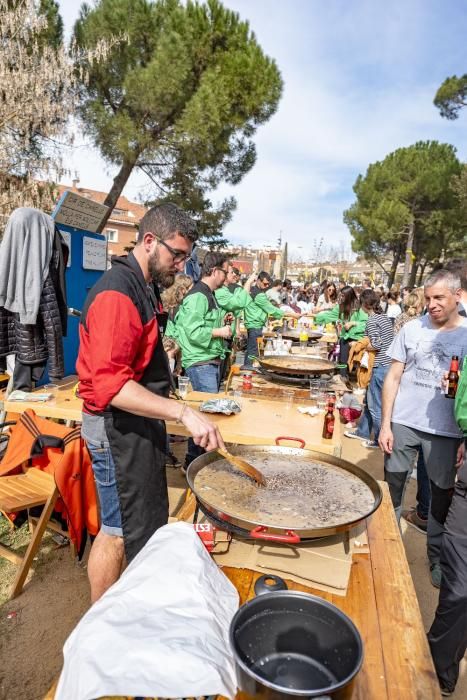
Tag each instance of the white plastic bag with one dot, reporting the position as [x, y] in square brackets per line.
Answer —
[161, 631]
[365, 360]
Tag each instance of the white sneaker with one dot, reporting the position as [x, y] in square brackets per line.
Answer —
[352, 434]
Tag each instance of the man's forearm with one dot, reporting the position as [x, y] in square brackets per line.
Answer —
[390, 388]
[134, 398]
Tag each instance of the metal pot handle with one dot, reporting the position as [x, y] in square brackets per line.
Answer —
[294, 439]
[262, 585]
[261, 533]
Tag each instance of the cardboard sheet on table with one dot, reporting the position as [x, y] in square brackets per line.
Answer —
[323, 564]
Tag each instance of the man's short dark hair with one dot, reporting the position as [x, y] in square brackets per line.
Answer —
[212, 260]
[165, 221]
[265, 276]
[276, 283]
[458, 266]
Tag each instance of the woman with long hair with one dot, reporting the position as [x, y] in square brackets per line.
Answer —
[350, 320]
[393, 309]
[413, 308]
[173, 296]
[328, 298]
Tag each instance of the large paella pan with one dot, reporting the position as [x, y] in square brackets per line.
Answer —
[308, 494]
[296, 364]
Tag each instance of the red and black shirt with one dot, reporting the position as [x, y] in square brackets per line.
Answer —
[118, 333]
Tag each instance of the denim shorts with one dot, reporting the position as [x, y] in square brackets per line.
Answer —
[104, 475]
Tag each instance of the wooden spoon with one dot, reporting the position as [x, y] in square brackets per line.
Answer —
[243, 466]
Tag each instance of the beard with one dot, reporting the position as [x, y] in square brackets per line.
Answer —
[161, 277]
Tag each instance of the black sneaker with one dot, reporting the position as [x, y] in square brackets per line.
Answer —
[445, 691]
[172, 461]
[435, 575]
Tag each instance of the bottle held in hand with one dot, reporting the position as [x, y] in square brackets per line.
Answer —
[453, 378]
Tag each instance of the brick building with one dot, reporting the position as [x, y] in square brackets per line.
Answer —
[121, 228]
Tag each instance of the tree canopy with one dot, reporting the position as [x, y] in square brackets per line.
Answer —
[33, 74]
[181, 100]
[407, 208]
[38, 90]
[451, 96]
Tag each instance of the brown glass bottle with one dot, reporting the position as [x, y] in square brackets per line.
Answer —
[328, 424]
[453, 378]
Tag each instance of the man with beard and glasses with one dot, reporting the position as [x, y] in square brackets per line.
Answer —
[124, 380]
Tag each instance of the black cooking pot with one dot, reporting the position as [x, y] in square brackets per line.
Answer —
[289, 644]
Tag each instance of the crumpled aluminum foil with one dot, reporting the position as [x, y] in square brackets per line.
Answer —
[226, 406]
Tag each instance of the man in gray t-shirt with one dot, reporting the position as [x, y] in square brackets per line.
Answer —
[426, 352]
[416, 414]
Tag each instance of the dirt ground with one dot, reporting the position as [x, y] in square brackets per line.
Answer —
[34, 626]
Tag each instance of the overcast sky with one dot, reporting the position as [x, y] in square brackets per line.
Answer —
[359, 81]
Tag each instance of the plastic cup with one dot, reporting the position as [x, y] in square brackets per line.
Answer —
[183, 383]
[287, 398]
[238, 397]
[314, 388]
[321, 402]
[51, 389]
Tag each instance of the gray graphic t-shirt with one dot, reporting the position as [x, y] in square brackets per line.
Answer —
[426, 351]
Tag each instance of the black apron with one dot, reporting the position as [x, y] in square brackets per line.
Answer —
[138, 447]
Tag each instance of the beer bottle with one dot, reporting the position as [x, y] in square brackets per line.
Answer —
[328, 424]
[453, 378]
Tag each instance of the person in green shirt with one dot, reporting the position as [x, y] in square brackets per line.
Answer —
[352, 320]
[448, 633]
[232, 296]
[256, 315]
[201, 327]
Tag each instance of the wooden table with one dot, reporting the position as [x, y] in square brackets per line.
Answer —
[381, 601]
[261, 421]
[65, 406]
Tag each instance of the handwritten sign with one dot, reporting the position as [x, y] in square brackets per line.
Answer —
[79, 212]
[94, 254]
[66, 235]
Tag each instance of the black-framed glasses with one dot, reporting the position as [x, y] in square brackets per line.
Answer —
[177, 255]
[222, 270]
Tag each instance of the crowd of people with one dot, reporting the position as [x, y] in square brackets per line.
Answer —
[134, 339]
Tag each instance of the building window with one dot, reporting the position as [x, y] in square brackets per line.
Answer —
[112, 235]
[118, 212]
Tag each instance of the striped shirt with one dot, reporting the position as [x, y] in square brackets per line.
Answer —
[380, 331]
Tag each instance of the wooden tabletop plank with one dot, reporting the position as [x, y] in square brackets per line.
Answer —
[400, 622]
[261, 421]
[392, 667]
[64, 406]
